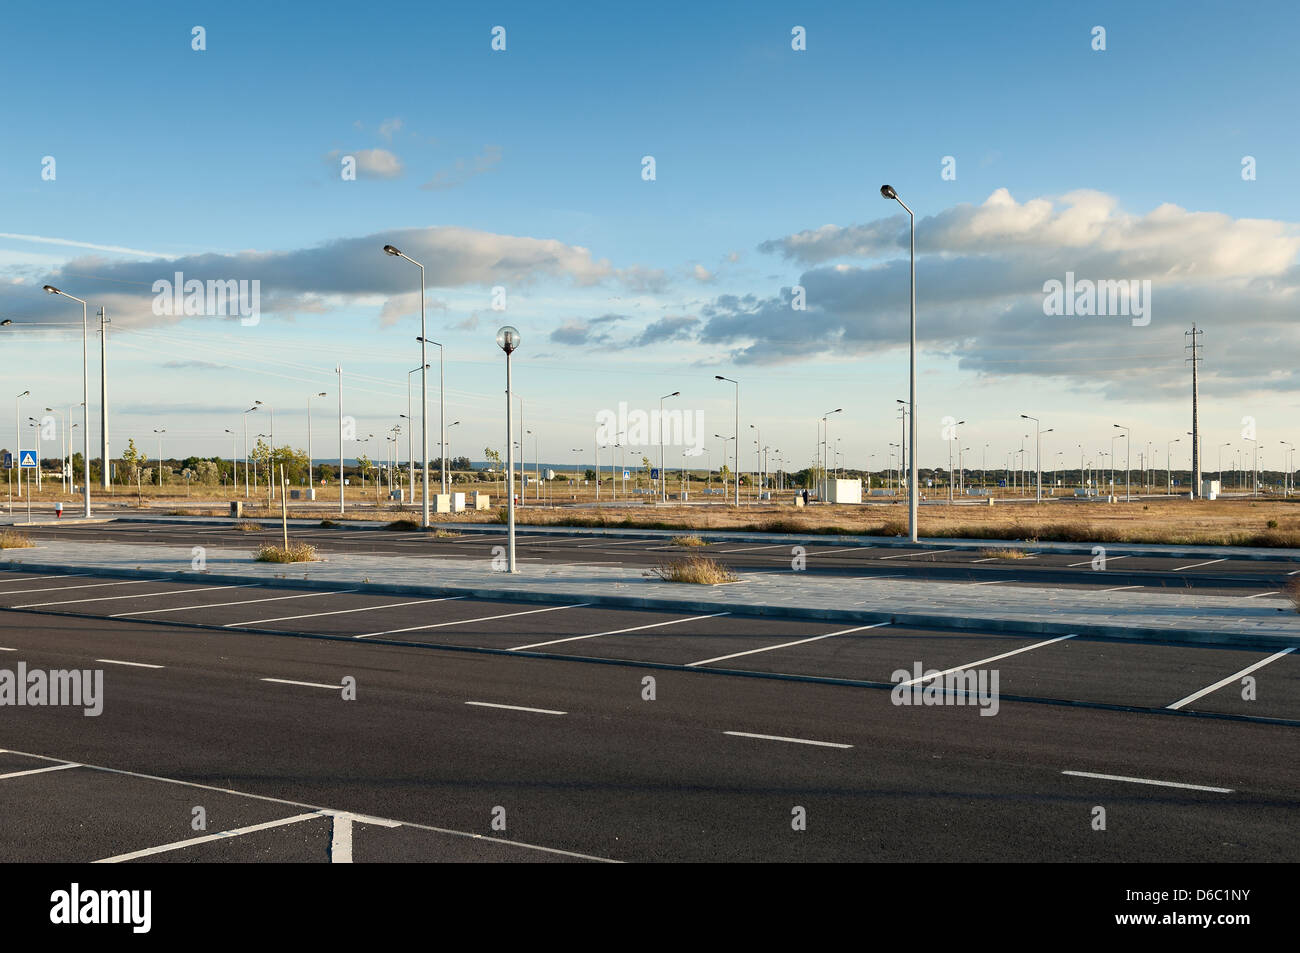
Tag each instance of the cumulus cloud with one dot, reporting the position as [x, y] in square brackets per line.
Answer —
[321, 277]
[980, 290]
[371, 163]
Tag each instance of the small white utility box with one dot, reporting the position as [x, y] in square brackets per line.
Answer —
[844, 491]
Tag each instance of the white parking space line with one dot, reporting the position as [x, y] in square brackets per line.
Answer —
[626, 542]
[747, 549]
[60, 575]
[21, 774]
[1294, 573]
[1163, 784]
[1208, 562]
[208, 838]
[386, 822]
[635, 628]
[1120, 588]
[1088, 562]
[439, 625]
[3, 649]
[341, 840]
[928, 552]
[134, 595]
[536, 711]
[113, 661]
[797, 741]
[314, 615]
[242, 602]
[991, 658]
[989, 582]
[289, 681]
[96, 585]
[1274, 592]
[786, 645]
[836, 550]
[1229, 680]
[556, 539]
[890, 575]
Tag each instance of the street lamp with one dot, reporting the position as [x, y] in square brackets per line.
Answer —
[1169, 466]
[823, 437]
[663, 476]
[246, 413]
[1128, 465]
[160, 433]
[410, 455]
[887, 192]
[424, 388]
[508, 340]
[442, 404]
[310, 485]
[737, 437]
[85, 398]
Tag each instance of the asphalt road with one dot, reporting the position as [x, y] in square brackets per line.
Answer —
[205, 707]
[1208, 576]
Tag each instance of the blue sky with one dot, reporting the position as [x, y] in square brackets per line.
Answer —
[220, 157]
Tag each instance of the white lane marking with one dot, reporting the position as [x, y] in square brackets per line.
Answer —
[97, 585]
[387, 822]
[341, 840]
[61, 575]
[3, 649]
[1088, 562]
[835, 550]
[313, 615]
[990, 582]
[1163, 784]
[439, 625]
[786, 645]
[1275, 592]
[626, 542]
[635, 628]
[1208, 562]
[1120, 588]
[288, 681]
[747, 549]
[20, 774]
[113, 661]
[1294, 573]
[991, 658]
[928, 552]
[892, 575]
[242, 602]
[208, 838]
[797, 741]
[556, 539]
[538, 711]
[1229, 680]
[134, 595]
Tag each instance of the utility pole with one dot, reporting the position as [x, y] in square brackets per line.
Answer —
[1196, 420]
[103, 398]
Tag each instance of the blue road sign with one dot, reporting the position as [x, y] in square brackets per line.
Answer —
[1002, 482]
[626, 474]
[654, 473]
[8, 460]
[27, 458]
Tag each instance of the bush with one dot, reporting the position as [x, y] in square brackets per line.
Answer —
[697, 569]
[12, 540]
[688, 541]
[296, 553]
[248, 526]
[403, 526]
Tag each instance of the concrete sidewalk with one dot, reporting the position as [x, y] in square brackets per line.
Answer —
[1154, 616]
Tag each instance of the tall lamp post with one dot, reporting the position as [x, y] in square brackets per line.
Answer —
[1128, 465]
[411, 430]
[887, 192]
[424, 389]
[442, 407]
[663, 478]
[85, 398]
[823, 437]
[1169, 466]
[736, 456]
[160, 433]
[310, 485]
[508, 340]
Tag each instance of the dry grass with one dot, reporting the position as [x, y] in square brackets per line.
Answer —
[447, 534]
[691, 541]
[247, 526]
[296, 553]
[12, 540]
[1293, 592]
[999, 552]
[697, 569]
